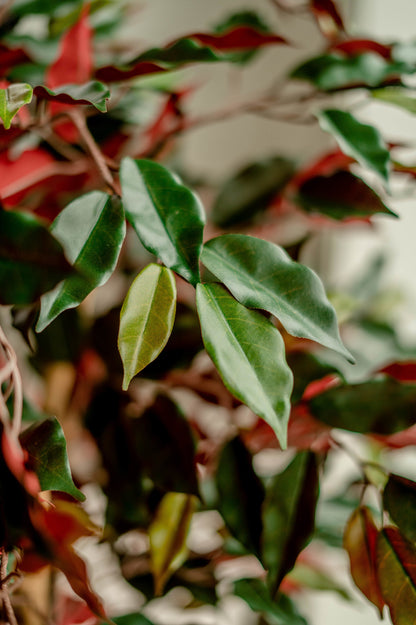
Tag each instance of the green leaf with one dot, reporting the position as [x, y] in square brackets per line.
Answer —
[250, 191]
[340, 195]
[93, 92]
[256, 594]
[46, 445]
[362, 142]
[381, 406]
[131, 619]
[12, 98]
[32, 261]
[240, 494]
[91, 229]
[261, 275]
[289, 516]
[167, 217]
[310, 577]
[249, 354]
[242, 18]
[167, 534]
[399, 499]
[146, 319]
[307, 368]
[396, 572]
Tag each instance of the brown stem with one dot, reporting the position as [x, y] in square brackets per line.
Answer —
[11, 369]
[11, 618]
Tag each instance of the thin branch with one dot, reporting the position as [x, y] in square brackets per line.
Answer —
[3, 584]
[12, 371]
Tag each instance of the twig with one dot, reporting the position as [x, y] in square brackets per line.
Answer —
[3, 583]
[11, 371]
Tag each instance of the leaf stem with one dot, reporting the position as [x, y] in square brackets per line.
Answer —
[10, 371]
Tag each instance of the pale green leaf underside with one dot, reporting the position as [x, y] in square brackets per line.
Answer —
[249, 354]
[12, 98]
[146, 319]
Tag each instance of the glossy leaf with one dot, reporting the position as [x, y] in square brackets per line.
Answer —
[45, 442]
[146, 319]
[166, 215]
[341, 195]
[12, 98]
[248, 352]
[250, 191]
[396, 572]
[167, 534]
[93, 92]
[256, 594]
[358, 140]
[360, 537]
[261, 275]
[240, 494]
[32, 260]
[399, 499]
[289, 516]
[91, 229]
[382, 406]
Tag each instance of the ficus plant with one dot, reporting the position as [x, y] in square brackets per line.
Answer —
[209, 343]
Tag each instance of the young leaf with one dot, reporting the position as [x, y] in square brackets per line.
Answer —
[360, 543]
[362, 142]
[248, 352]
[261, 275]
[257, 596]
[91, 229]
[32, 261]
[397, 96]
[12, 98]
[289, 516]
[167, 217]
[328, 18]
[382, 406]
[45, 442]
[241, 494]
[93, 92]
[167, 534]
[396, 572]
[146, 319]
[399, 499]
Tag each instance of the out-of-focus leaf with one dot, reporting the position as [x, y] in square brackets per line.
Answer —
[91, 229]
[12, 98]
[382, 406]
[146, 319]
[240, 494]
[405, 371]
[167, 534]
[261, 275]
[135, 618]
[310, 577]
[352, 47]
[360, 538]
[93, 92]
[396, 572]
[399, 500]
[341, 195]
[361, 141]
[328, 18]
[166, 215]
[256, 594]
[251, 190]
[242, 18]
[32, 260]
[306, 368]
[248, 352]
[289, 516]
[397, 96]
[45, 442]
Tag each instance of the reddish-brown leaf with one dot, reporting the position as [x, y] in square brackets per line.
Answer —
[328, 18]
[404, 371]
[10, 57]
[360, 46]
[110, 73]
[240, 38]
[17, 176]
[398, 440]
[305, 432]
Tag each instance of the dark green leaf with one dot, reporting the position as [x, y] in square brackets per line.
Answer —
[381, 406]
[341, 195]
[399, 500]
[306, 369]
[240, 494]
[93, 92]
[91, 230]
[361, 141]
[12, 98]
[261, 275]
[256, 594]
[46, 445]
[242, 18]
[251, 190]
[289, 516]
[248, 352]
[32, 261]
[135, 618]
[166, 215]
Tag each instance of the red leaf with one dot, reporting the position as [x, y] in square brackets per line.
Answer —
[324, 166]
[240, 38]
[402, 371]
[360, 46]
[328, 18]
[19, 175]
[109, 73]
[11, 57]
[16, 459]
[70, 611]
[305, 432]
[406, 438]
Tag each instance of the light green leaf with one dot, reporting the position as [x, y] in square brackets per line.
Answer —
[362, 142]
[398, 96]
[249, 354]
[261, 275]
[91, 230]
[146, 319]
[12, 98]
[167, 217]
